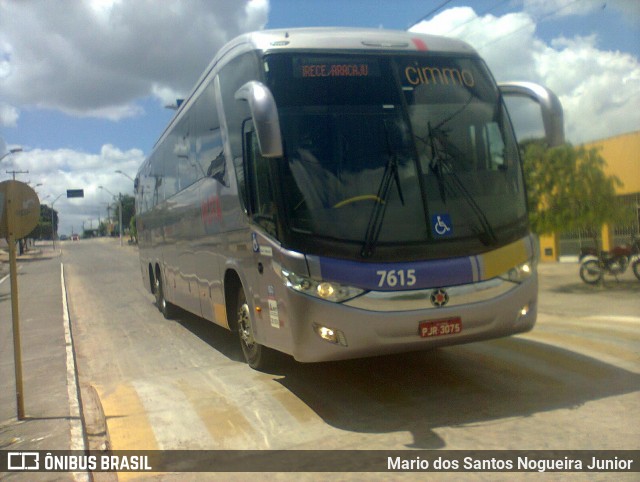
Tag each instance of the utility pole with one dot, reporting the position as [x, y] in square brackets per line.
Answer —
[119, 201]
[17, 172]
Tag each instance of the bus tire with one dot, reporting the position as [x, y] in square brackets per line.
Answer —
[256, 355]
[167, 309]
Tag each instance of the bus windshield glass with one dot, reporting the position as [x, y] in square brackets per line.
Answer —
[390, 150]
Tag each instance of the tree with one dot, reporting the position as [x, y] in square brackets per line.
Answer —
[128, 208]
[128, 211]
[569, 190]
[44, 228]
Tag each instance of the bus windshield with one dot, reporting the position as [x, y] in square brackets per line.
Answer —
[393, 150]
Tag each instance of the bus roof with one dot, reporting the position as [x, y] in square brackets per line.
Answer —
[338, 38]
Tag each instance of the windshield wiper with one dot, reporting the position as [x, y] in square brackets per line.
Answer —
[436, 164]
[439, 166]
[374, 226]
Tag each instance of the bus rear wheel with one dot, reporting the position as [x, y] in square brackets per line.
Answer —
[167, 309]
[257, 356]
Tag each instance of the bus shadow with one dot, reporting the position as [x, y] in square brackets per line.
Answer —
[425, 391]
[607, 287]
[214, 335]
[421, 392]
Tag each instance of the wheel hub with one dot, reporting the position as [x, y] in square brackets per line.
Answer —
[244, 322]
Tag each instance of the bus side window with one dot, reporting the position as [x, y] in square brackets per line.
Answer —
[234, 75]
[169, 166]
[262, 202]
[209, 149]
[187, 170]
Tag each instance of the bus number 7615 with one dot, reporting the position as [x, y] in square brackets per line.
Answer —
[398, 277]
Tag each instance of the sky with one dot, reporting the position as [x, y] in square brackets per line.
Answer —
[84, 83]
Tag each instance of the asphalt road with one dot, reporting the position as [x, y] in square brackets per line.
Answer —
[571, 383]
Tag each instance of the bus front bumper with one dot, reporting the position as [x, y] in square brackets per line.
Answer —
[379, 324]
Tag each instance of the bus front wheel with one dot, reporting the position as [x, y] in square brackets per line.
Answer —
[256, 355]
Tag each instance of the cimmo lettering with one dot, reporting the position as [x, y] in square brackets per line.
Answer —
[418, 75]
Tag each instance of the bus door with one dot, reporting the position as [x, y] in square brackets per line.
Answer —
[271, 321]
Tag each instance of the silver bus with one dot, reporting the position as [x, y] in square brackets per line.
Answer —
[342, 193]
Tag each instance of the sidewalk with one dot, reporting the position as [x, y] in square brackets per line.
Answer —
[49, 423]
[38, 251]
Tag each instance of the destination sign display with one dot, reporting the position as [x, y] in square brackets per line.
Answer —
[309, 68]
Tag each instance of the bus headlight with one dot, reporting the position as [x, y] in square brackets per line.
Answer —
[324, 290]
[521, 272]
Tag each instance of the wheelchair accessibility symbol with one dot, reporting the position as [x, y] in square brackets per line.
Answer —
[441, 225]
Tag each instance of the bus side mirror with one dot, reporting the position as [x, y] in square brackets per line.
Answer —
[264, 114]
[550, 107]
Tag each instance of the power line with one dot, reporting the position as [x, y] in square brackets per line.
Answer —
[424, 17]
[542, 17]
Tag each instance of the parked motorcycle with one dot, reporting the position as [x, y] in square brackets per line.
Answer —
[615, 262]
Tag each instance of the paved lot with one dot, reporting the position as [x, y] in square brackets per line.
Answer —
[572, 316]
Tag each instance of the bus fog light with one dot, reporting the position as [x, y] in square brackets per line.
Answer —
[524, 311]
[329, 334]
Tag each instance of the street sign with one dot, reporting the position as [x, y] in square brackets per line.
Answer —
[75, 193]
[19, 209]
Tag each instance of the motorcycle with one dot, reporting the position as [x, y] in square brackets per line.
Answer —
[615, 262]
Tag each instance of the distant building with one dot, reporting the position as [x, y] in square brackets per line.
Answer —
[622, 155]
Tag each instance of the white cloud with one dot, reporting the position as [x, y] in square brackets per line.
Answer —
[95, 57]
[167, 95]
[599, 90]
[8, 115]
[62, 169]
[98, 58]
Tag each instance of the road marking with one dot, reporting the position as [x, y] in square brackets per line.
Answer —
[173, 421]
[77, 436]
[618, 330]
[603, 351]
[168, 414]
[75, 421]
[622, 319]
[226, 423]
[127, 421]
[568, 364]
[6, 277]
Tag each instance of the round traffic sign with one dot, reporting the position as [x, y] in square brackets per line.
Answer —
[19, 209]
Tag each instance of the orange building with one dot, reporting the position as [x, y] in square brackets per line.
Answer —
[622, 155]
